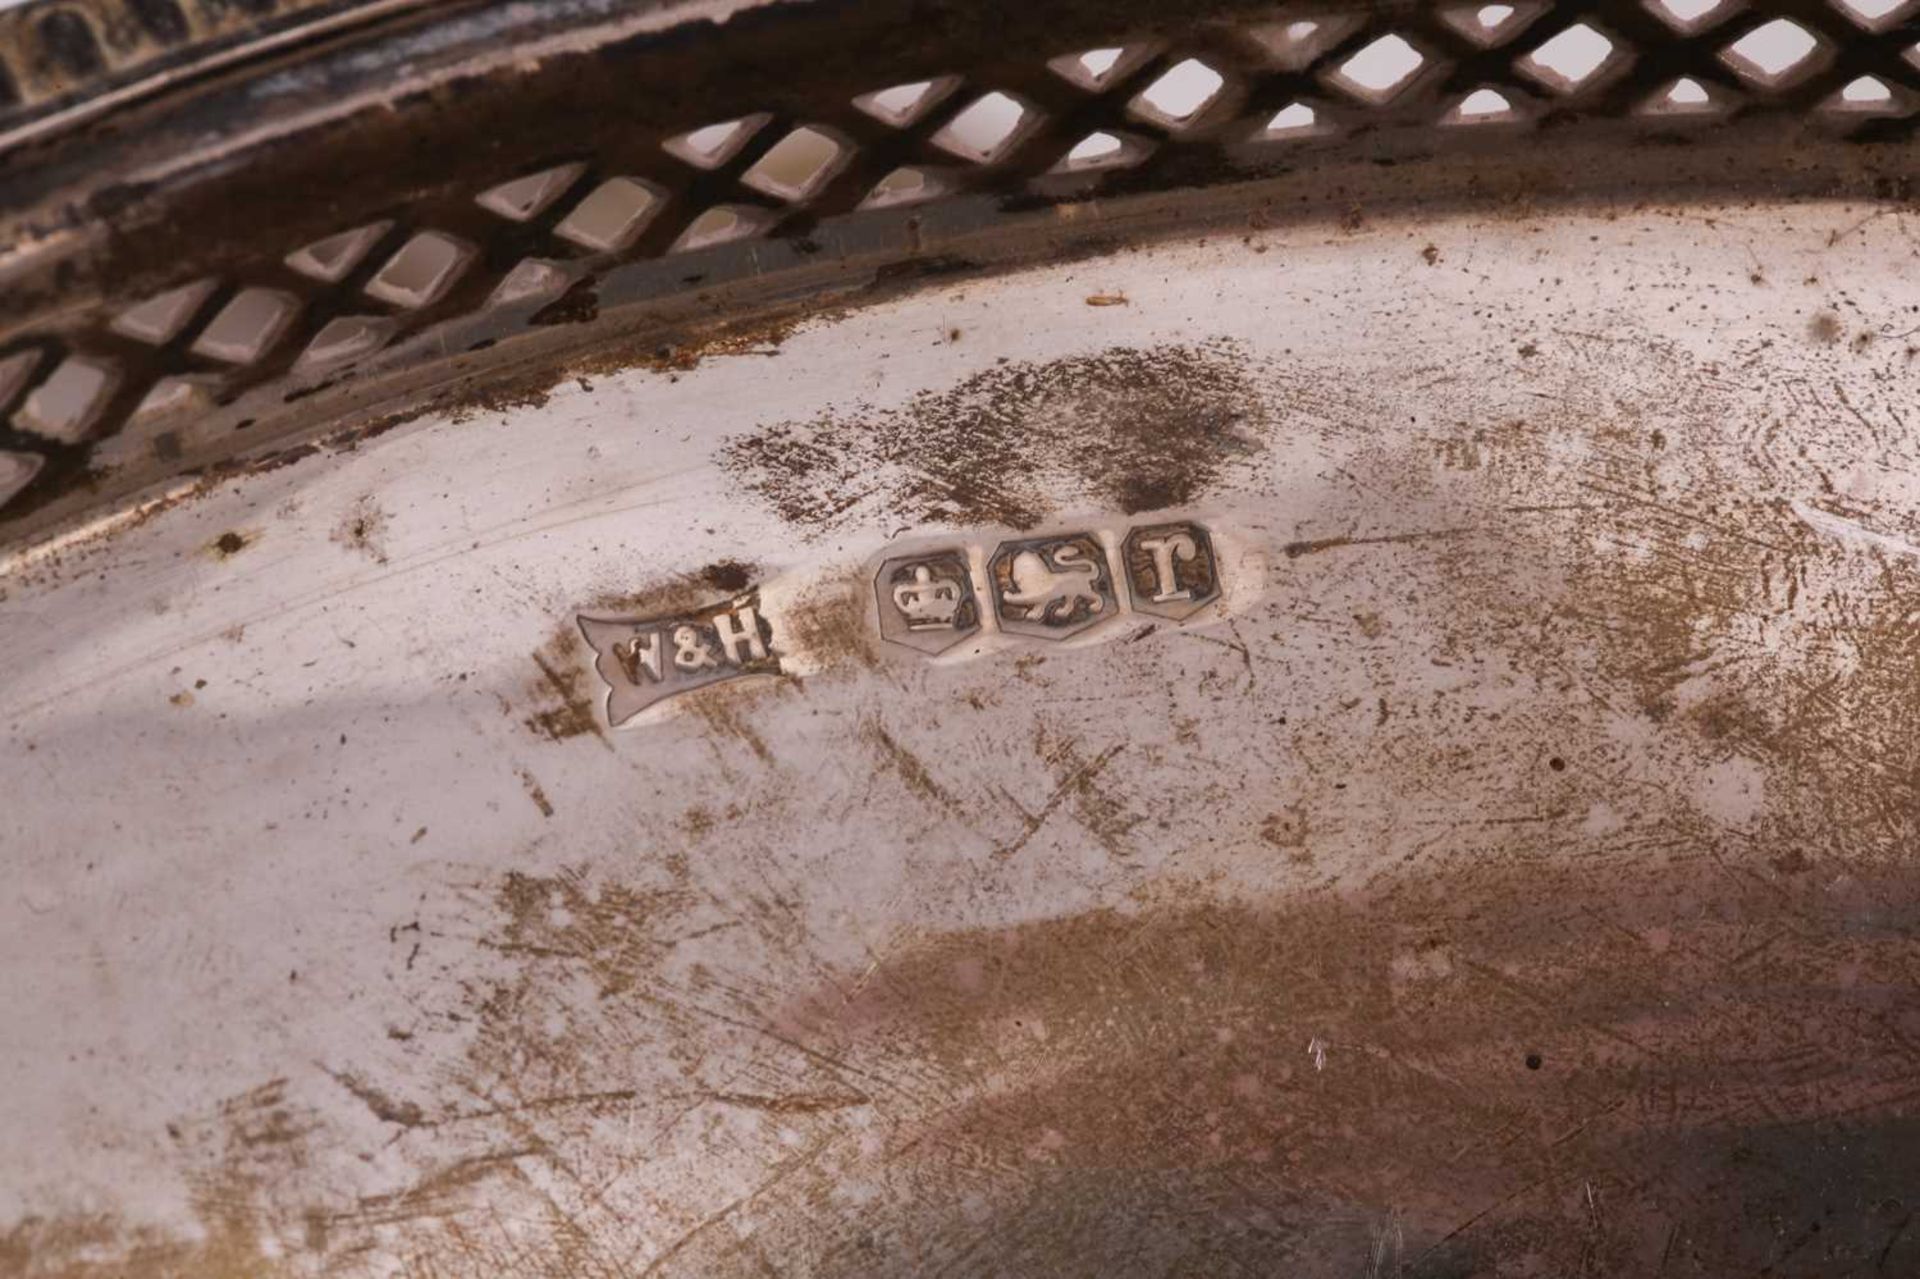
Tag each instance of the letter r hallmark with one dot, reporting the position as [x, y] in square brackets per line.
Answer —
[644, 662]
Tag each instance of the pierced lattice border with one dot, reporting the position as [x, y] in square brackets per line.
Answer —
[1067, 121]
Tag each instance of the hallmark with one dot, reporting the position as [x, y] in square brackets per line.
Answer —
[1052, 586]
[1170, 570]
[927, 601]
[644, 662]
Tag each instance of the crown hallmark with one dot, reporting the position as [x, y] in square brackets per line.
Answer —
[928, 602]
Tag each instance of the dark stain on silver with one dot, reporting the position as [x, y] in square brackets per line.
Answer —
[1522, 1068]
[1132, 429]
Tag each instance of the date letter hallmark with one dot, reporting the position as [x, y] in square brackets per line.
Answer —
[1170, 570]
[644, 662]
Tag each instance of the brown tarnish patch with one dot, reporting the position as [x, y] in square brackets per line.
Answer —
[229, 544]
[383, 1107]
[1288, 830]
[688, 351]
[1105, 814]
[909, 767]
[1076, 784]
[683, 592]
[1676, 595]
[1434, 1072]
[610, 931]
[731, 577]
[1517, 1057]
[580, 304]
[440, 1194]
[102, 1247]
[239, 1160]
[726, 708]
[791, 1103]
[1134, 430]
[536, 793]
[364, 529]
[562, 680]
[676, 595]
[829, 623]
[1825, 328]
[505, 398]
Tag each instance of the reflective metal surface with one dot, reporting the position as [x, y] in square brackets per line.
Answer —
[1508, 873]
[651, 699]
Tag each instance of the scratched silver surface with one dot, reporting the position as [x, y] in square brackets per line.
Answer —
[1510, 873]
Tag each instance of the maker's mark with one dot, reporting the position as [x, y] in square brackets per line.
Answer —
[644, 662]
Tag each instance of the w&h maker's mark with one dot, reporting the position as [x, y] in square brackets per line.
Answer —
[644, 662]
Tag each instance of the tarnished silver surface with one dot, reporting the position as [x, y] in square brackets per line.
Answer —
[221, 245]
[1509, 872]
